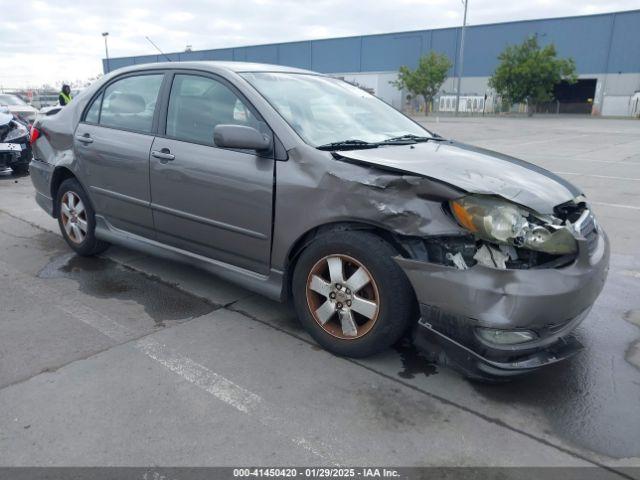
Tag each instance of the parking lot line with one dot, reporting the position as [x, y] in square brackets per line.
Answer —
[609, 177]
[616, 205]
[230, 393]
[213, 383]
[217, 385]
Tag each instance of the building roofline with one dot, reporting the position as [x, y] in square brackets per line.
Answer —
[404, 32]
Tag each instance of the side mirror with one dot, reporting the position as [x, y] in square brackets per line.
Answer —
[239, 136]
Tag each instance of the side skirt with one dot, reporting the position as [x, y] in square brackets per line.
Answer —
[268, 285]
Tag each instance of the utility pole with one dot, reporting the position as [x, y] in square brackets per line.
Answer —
[461, 55]
[106, 50]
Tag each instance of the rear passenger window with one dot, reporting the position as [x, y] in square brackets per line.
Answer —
[129, 103]
[197, 104]
[93, 114]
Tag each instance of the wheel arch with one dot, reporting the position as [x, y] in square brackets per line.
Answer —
[307, 237]
[60, 174]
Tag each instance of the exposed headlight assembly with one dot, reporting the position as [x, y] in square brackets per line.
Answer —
[499, 221]
[18, 131]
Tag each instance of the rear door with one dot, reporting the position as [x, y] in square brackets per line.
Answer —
[112, 144]
[212, 201]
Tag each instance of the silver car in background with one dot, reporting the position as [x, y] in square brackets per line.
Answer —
[18, 107]
[302, 187]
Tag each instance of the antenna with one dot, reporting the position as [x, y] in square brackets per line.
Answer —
[156, 47]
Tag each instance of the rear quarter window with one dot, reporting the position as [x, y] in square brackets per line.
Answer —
[93, 113]
[130, 103]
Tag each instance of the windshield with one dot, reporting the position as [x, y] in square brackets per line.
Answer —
[11, 100]
[325, 110]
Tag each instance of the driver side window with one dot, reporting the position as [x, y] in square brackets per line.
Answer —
[197, 104]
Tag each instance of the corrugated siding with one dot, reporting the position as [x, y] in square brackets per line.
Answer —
[625, 45]
[598, 43]
[296, 54]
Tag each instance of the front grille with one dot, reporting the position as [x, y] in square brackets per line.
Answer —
[581, 217]
[587, 228]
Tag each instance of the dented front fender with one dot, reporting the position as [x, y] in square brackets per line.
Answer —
[510, 298]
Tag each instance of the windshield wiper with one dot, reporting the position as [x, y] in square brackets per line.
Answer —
[347, 144]
[409, 138]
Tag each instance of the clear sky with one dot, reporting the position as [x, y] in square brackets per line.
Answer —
[53, 41]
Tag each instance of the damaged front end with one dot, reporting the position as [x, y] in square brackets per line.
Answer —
[504, 264]
[15, 150]
[503, 299]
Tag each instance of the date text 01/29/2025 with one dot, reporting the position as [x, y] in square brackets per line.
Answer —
[368, 472]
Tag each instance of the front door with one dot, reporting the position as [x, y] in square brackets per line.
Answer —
[112, 144]
[211, 201]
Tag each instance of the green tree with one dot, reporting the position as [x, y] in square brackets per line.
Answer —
[426, 79]
[528, 73]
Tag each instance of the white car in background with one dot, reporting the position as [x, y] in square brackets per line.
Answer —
[18, 107]
[52, 110]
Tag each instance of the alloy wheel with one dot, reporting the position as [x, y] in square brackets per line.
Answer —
[74, 217]
[343, 296]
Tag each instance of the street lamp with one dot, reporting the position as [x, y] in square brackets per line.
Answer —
[106, 50]
[461, 55]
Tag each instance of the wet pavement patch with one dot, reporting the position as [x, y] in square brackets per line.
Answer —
[414, 362]
[391, 409]
[104, 278]
[591, 400]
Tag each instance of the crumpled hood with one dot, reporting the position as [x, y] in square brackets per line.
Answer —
[474, 170]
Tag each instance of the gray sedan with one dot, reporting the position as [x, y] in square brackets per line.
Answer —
[302, 187]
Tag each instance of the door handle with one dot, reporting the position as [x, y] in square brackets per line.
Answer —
[164, 154]
[86, 138]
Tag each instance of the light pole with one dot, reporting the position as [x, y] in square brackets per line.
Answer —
[461, 55]
[106, 50]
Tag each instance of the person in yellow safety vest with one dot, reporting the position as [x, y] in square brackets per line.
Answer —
[65, 95]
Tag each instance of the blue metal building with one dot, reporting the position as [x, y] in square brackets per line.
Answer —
[605, 47]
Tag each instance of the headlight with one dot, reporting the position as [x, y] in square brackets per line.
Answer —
[18, 132]
[499, 221]
[506, 337]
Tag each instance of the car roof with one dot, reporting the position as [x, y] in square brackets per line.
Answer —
[216, 66]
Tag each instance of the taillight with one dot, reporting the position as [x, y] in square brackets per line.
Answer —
[35, 135]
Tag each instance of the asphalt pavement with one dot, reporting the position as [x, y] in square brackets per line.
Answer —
[132, 360]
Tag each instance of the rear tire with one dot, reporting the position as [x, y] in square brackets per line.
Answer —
[77, 219]
[350, 295]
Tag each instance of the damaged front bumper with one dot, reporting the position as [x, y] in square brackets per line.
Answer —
[13, 152]
[551, 302]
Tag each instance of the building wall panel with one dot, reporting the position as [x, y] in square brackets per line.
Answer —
[598, 43]
[384, 53]
[296, 54]
[336, 55]
[625, 44]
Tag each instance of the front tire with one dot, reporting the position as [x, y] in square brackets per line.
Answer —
[77, 220]
[350, 295]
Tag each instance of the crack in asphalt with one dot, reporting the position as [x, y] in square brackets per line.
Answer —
[230, 307]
